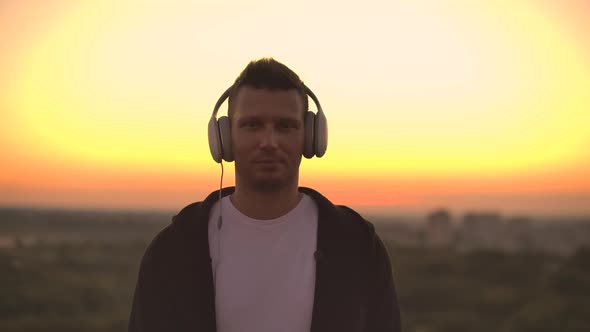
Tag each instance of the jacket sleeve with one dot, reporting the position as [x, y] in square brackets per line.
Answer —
[384, 312]
[151, 309]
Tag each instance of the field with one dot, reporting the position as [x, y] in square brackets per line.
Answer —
[76, 271]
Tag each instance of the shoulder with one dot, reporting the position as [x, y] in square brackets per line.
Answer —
[341, 223]
[342, 214]
[351, 218]
[188, 213]
[175, 237]
[188, 229]
[355, 227]
[349, 215]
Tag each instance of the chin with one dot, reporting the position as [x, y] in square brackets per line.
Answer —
[271, 183]
[269, 186]
[265, 181]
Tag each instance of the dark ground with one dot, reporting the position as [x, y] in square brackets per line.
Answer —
[77, 271]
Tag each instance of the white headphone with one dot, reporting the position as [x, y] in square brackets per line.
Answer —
[315, 126]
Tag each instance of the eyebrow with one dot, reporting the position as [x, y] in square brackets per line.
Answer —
[248, 118]
[259, 118]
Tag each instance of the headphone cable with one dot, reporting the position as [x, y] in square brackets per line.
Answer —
[219, 223]
[219, 220]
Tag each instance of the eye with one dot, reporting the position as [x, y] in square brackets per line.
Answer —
[287, 124]
[250, 124]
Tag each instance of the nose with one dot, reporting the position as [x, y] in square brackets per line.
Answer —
[268, 139]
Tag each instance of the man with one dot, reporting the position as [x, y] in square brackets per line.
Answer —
[269, 255]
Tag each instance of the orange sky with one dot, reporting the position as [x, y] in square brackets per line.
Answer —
[432, 103]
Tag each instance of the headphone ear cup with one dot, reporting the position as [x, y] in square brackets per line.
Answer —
[225, 134]
[214, 140]
[309, 127]
[321, 134]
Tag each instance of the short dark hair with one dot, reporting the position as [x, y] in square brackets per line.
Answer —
[268, 73]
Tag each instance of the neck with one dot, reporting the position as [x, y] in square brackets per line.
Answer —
[265, 205]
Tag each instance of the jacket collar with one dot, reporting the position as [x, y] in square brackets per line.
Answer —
[323, 203]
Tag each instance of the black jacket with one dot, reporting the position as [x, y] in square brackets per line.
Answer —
[354, 289]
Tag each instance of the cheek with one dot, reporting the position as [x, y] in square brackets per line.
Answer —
[241, 140]
[240, 148]
[295, 144]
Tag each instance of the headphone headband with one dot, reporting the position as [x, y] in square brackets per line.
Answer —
[220, 101]
[227, 92]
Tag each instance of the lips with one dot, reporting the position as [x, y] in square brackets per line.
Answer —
[267, 161]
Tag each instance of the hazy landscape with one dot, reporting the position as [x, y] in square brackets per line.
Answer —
[75, 270]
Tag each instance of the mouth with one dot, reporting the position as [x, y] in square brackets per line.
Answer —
[267, 161]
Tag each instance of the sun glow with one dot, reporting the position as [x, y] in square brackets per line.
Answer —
[422, 98]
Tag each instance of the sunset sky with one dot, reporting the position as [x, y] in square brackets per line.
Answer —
[470, 105]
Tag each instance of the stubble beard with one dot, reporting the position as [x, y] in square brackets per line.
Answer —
[271, 185]
[266, 184]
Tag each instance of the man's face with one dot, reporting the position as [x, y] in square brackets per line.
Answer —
[267, 135]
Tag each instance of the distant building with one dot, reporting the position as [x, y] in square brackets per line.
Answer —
[399, 234]
[518, 235]
[563, 238]
[439, 229]
[481, 230]
[488, 231]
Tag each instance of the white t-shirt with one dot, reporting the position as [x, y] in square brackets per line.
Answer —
[264, 270]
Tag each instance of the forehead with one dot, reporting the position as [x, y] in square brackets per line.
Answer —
[257, 102]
